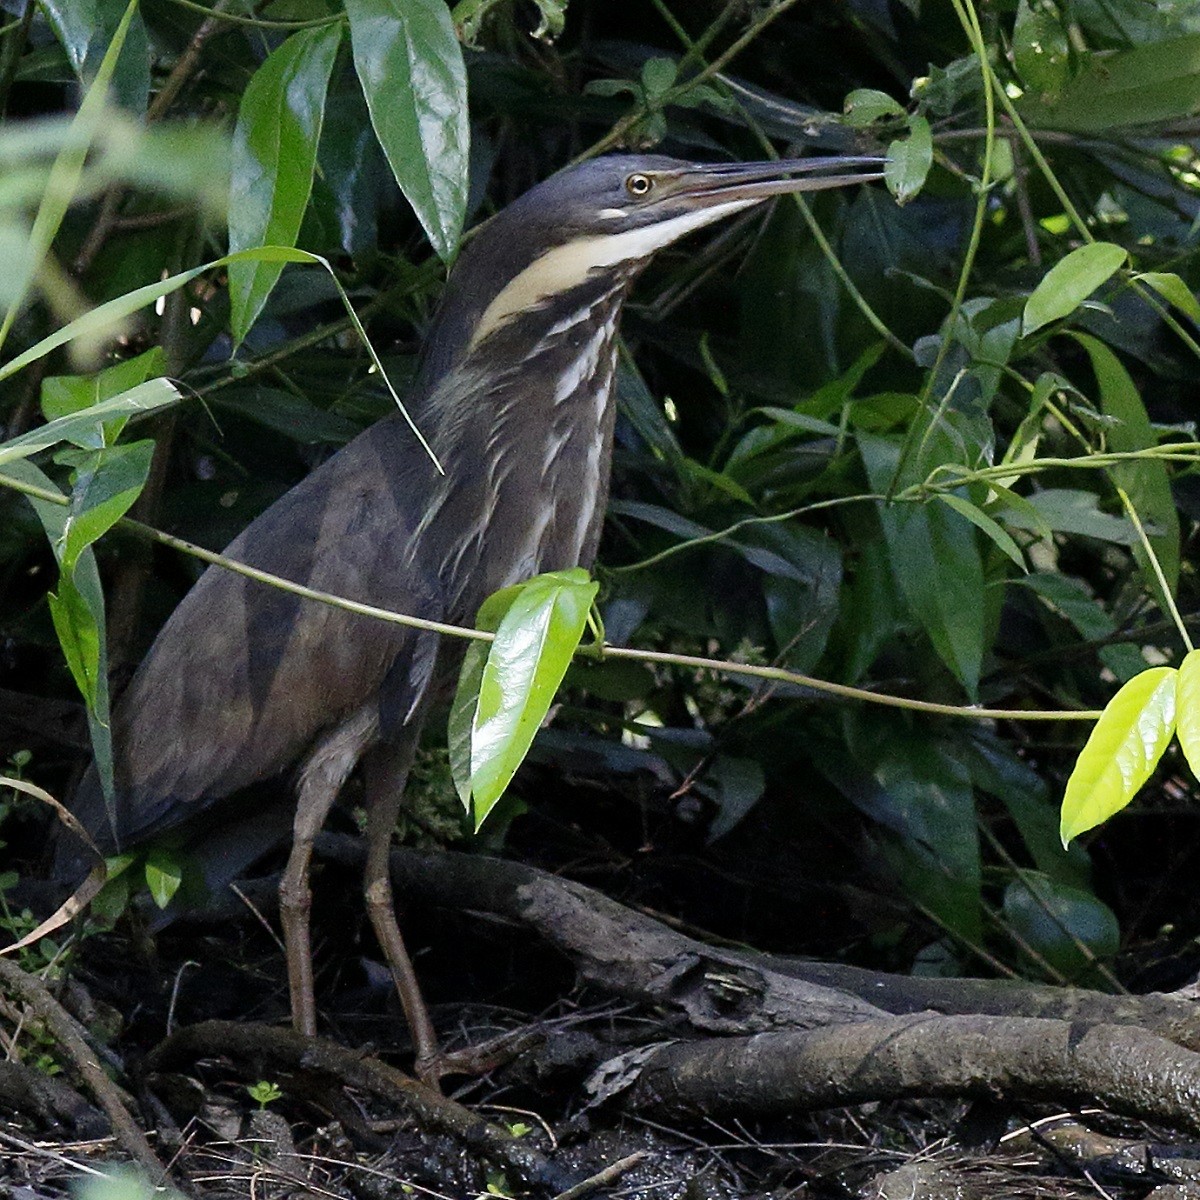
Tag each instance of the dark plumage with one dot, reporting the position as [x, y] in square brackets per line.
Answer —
[514, 394]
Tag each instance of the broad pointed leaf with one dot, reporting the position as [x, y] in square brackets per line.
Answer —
[105, 488]
[274, 155]
[1187, 697]
[1145, 482]
[533, 648]
[466, 695]
[411, 69]
[1122, 751]
[1070, 282]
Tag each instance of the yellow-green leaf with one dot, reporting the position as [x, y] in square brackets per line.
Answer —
[1187, 709]
[1123, 749]
[533, 648]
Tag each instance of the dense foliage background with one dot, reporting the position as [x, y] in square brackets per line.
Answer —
[811, 402]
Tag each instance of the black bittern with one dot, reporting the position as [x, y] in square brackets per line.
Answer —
[515, 395]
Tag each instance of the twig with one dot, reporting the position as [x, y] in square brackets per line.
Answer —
[609, 1174]
[34, 993]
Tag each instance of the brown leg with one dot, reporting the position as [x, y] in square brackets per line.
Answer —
[321, 779]
[387, 773]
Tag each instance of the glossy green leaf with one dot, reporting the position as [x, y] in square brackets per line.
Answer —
[909, 160]
[1070, 282]
[1003, 771]
[1041, 52]
[411, 69]
[274, 155]
[1146, 482]
[1065, 926]
[466, 695]
[991, 528]
[146, 397]
[65, 174]
[163, 876]
[1173, 290]
[1187, 709]
[1122, 751]
[86, 27]
[919, 791]
[533, 648]
[104, 490]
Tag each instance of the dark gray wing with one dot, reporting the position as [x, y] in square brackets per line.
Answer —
[243, 676]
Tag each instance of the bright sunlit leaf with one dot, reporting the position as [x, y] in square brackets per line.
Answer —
[1123, 749]
[1187, 710]
[533, 648]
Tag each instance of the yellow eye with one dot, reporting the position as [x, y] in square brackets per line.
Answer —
[638, 185]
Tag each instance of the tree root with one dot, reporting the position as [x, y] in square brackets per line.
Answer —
[810, 1035]
[272, 1050]
[1124, 1068]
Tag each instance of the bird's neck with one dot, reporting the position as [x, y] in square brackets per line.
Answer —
[527, 417]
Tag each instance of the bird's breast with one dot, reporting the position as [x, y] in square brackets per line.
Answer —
[532, 461]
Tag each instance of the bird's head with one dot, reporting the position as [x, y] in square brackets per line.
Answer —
[605, 216]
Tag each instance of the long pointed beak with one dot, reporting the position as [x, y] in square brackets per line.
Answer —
[705, 184]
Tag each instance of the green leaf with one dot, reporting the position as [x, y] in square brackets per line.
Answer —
[163, 876]
[1070, 282]
[1066, 926]
[105, 489]
[736, 785]
[411, 69]
[78, 615]
[865, 105]
[1041, 52]
[533, 648]
[935, 559]
[1153, 84]
[1173, 290]
[106, 315]
[989, 527]
[1072, 510]
[86, 28]
[65, 174]
[658, 77]
[146, 397]
[78, 635]
[1122, 751]
[1145, 482]
[63, 395]
[909, 160]
[274, 155]
[466, 695]
[1188, 709]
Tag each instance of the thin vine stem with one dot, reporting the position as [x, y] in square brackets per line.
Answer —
[697, 662]
[1156, 566]
[259, 22]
